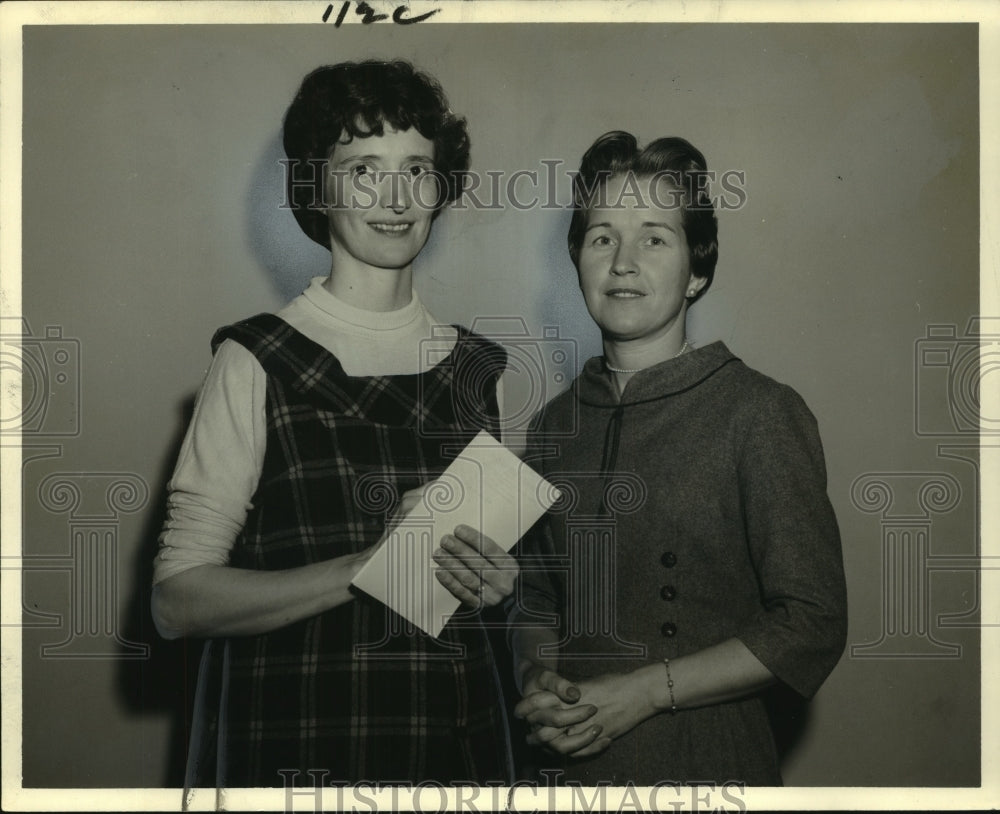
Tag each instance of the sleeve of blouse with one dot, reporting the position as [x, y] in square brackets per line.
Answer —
[218, 467]
[801, 630]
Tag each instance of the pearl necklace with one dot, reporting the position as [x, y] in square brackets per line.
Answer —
[686, 346]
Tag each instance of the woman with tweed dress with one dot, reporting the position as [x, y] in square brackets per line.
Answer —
[306, 420]
[695, 559]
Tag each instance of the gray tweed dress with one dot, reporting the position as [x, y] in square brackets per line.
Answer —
[695, 511]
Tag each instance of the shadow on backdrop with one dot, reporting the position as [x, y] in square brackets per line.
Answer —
[789, 714]
[288, 258]
[165, 681]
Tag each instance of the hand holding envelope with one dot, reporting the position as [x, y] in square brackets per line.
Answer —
[477, 510]
[474, 568]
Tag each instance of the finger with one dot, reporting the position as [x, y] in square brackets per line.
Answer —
[412, 498]
[482, 544]
[409, 501]
[475, 572]
[567, 691]
[474, 538]
[458, 590]
[457, 568]
[558, 741]
[535, 701]
[594, 748]
[568, 744]
[492, 595]
[562, 717]
[464, 553]
[543, 735]
[489, 558]
[496, 586]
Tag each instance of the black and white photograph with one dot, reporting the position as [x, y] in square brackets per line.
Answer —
[471, 406]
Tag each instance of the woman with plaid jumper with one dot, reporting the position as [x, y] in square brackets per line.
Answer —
[304, 680]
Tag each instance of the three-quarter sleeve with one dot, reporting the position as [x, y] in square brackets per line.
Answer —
[801, 629]
[218, 468]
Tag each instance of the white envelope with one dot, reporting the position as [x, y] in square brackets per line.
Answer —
[486, 487]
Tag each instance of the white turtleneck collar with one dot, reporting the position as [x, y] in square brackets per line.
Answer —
[370, 343]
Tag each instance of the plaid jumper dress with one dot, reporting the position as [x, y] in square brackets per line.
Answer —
[356, 693]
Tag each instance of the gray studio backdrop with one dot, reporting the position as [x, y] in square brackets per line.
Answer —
[152, 216]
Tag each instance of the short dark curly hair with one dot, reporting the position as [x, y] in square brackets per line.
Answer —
[618, 153]
[355, 100]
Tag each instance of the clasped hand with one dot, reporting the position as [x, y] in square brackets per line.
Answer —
[471, 565]
[582, 718]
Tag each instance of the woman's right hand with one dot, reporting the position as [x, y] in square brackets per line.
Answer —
[409, 501]
[549, 708]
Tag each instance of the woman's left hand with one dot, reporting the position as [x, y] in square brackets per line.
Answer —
[623, 701]
[474, 568]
